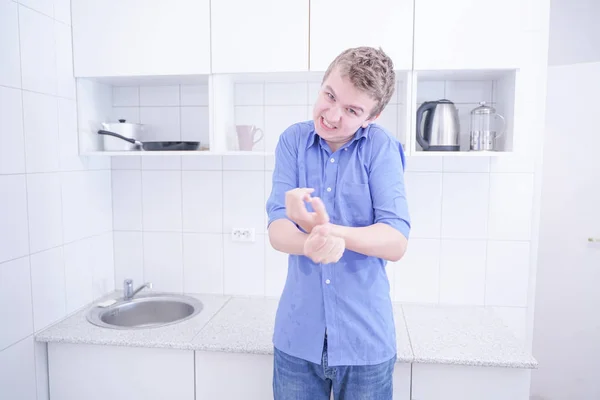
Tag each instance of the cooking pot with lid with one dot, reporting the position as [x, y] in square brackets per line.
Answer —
[127, 129]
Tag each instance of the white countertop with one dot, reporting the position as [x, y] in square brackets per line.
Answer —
[424, 333]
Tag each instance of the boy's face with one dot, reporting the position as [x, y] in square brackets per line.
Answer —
[340, 110]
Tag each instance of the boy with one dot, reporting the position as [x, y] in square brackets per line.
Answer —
[338, 208]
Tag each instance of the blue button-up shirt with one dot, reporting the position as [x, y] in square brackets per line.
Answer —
[360, 184]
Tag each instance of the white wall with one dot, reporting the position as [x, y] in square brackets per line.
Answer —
[574, 31]
[55, 209]
[173, 216]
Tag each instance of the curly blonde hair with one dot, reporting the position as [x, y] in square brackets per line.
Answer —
[369, 70]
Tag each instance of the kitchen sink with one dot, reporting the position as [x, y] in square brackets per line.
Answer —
[145, 311]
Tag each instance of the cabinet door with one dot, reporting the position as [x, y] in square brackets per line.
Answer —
[457, 382]
[336, 25]
[140, 37]
[93, 372]
[468, 34]
[401, 381]
[259, 36]
[222, 375]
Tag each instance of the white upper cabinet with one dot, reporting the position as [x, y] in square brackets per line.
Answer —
[468, 34]
[336, 25]
[259, 36]
[140, 37]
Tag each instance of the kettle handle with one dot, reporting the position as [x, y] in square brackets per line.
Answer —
[426, 106]
[503, 125]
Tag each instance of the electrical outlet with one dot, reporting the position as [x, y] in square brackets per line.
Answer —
[242, 234]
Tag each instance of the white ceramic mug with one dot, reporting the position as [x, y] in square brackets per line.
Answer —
[246, 136]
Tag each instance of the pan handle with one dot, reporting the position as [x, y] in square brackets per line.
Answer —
[133, 141]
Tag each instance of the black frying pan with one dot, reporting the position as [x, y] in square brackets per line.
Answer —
[155, 146]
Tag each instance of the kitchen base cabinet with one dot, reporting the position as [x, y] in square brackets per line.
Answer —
[225, 376]
[457, 382]
[92, 372]
[401, 381]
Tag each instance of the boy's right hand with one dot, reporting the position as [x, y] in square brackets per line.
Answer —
[323, 247]
[297, 212]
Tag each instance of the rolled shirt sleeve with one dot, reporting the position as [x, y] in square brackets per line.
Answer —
[285, 175]
[386, 183]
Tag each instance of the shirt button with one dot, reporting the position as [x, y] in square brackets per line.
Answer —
[346, 149]
[328, 281]
[329, 189]
[332, 160]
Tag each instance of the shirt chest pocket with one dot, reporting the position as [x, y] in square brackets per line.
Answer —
[356, 205]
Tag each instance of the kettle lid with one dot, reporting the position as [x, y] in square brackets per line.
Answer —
[483, 109]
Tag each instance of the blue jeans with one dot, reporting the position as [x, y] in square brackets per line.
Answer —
[298, 379]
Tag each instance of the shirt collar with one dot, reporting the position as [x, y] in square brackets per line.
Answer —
[314, 138]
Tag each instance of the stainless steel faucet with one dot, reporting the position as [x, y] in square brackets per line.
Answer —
[128, 291]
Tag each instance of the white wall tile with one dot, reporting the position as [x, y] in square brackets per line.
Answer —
[507, 276]
[249, 162]
[244, 264]
[163, 261]
[129, 257]
[161, 163]
[161, 200]
[277, 120]
[48, 287]
[203, 201]
[194, 125]
[276, 269]
[40, 114]
[511, 206]
[127, 200]
[286, 94]
[424, 193]
[243, 200]
[45, 211]
[103, 269]
[466, 164]
[79, 261]
[126, 162]
[10, 67]
[162, 123]
[512, 163]
[17, 371]
[159, 95]
[417, 274]
[194, 95]
[16, 310]
[125, 96]
[87, 204]
[12, 151]
[469, 91]
[465, 205]
[423, 164]
[430, 91]
[389, 119]
[62, 11]
[462, 272]
[203, 263]
[203, 162]
[38, 53]
[68, 137]
[44, 6]
[64, 61]
[249, 94]
[13, 214]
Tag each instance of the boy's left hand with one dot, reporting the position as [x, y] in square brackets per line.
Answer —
[322, 246]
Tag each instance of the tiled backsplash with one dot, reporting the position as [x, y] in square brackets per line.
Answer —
[56, 247]
[470, 241]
